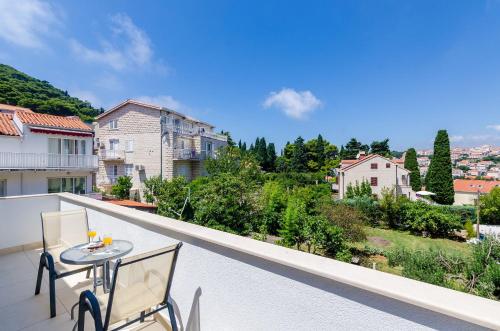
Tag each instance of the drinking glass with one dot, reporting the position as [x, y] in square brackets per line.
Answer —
[91, 233]
[107, 239]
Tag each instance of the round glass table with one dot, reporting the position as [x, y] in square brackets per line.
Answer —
[81, 255]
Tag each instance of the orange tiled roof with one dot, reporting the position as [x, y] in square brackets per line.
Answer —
[473, 185]
[7, 126]
[14, 108]
[131, 203]
[70, 122]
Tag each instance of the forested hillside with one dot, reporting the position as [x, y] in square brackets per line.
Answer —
[20, 89]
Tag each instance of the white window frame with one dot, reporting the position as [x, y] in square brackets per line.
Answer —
[207, 144]
[73, 183]
[129, 146]
[113, 124]
[129, 170]
[114, 170]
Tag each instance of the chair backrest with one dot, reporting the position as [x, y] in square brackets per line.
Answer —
[141, 283]
[64, 228]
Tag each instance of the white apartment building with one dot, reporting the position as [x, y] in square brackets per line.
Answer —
[142, 140]
[41, 153]
[379, 171]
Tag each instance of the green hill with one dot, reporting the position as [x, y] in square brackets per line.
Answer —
[19, 89]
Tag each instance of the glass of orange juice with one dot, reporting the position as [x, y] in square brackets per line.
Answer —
[91, 233]
[107, 239]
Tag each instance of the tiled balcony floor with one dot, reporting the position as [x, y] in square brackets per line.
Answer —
[20, 309]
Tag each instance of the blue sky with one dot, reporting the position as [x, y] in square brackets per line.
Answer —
[366, 69]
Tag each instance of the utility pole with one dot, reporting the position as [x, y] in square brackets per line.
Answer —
[477, 212]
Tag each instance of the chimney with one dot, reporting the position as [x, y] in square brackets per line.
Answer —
[361, 155]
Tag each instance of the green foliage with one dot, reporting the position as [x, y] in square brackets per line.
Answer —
[17, 88]
[439, 179]
[230, 141]
[121, 189]
[348, 218]
[170, 197]
[381, 148]
[412, 165]
[469, 227]
[226, 202]
[391, 207]
[367, 206]
[363, 190]
[274, 201]
[293, 230]
[490, 207]
[478, 274]
[299, 160]
[419, 217]
[231, 160]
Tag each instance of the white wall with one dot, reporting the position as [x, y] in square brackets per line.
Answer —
[20, 218]
[465, 198]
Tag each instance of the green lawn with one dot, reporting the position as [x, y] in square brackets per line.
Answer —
[398, 239]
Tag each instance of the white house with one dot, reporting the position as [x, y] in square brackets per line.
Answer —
[468, 190]
[379, 171]
[41, 153]
[142, 140]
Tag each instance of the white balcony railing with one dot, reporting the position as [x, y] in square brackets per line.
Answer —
[228, 282]
[39, 161]
[107, 180]
[192, 154]
[190, 131]
[112, 155]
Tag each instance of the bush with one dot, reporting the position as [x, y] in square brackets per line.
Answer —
[348, 218]
[121, 189]
[469, 227]
[434, 221]
[490, 207]
[359, 190]
[171, 196]
[463, 212]
[333, 240]
[391, 207]
[274, 201]
[366, 205]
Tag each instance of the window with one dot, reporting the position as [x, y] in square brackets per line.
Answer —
[129, 145]
[113, 144]
[373, 181]
[374, 166]
[77, 185]
[3, 187]
[115, 170]
[129, 170]
[54, 146]
[83, 147]
[113, 124]
[387, 165]
[208, 146]
[403, 179]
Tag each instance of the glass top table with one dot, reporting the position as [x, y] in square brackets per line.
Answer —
[79, 254]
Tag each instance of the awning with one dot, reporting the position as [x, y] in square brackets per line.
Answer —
[62, 132]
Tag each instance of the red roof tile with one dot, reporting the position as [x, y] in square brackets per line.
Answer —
[14, 108]
[473, 185]
[7, 126]
[70, 122]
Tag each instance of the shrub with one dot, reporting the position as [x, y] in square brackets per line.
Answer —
[390, 208]
[121, 189]
[490, 207]
[359, 190]
[274, 201]
[366, 205]
[348, 218]
[333, 240]
[469, 227]
[435, 222]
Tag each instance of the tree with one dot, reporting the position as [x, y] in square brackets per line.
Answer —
[170, 197]
[359, 190]
[271, 157]
[299, 157]
[490, 207]
[352, 148]
[294, 219]
[381, 148]
[412, 165]
[231, 160]
[439, 178]
[122, 187]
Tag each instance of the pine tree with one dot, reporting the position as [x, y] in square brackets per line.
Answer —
[439, 179]
[244, 147]
[299, 157]
[380, 148]
[412, 165]
[261, 151]
[271, 157]
[320, 150]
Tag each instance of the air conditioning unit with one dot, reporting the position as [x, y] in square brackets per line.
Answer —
[139, 167]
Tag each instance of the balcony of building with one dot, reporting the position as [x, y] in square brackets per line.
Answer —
[227, 282]
[45, 161]
[112, 155]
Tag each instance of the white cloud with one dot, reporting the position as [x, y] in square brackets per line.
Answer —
[129, 46]
[294, 104]
[494, 127]
[165, 101]
[27, 23]
[456, 139]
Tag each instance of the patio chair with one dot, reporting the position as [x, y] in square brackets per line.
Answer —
[140, 288]
[60, 231]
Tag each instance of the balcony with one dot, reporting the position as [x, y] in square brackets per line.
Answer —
[187, 130]
[112, 155]
[227, 282]
[107, 180]
[44, 161]
[192, 154]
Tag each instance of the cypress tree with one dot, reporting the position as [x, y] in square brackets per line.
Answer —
[299, 157]
[439, 179]
[412, 165]
[271, 157]
[262, 153]
[320, 151]
[244, 147]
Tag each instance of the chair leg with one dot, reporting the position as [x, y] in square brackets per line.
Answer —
[88, 273]
[52, 295]
[171, 314]
[40, 274]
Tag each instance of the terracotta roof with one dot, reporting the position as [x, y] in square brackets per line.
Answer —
[46, 120]
[7, 126]
[14, 108]
[352, 163]
[473, 185]
[131, 203]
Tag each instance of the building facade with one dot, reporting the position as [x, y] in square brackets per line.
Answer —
[468, 190]
[141, 140]
[41, 153]
[380, 172]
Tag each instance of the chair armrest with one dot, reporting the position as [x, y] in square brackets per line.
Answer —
[88, 302]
